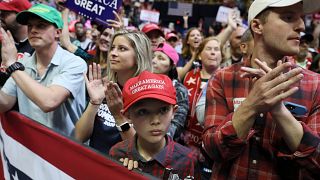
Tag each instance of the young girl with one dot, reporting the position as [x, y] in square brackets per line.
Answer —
[130, 54]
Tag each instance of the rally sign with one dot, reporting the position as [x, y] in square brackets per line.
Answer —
[150, 16]
[97, 10]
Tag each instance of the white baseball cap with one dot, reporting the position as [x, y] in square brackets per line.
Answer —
[309, 6]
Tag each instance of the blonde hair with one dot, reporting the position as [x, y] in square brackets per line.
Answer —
[142, 47]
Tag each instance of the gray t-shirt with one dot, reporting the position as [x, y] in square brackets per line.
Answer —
[65, 70]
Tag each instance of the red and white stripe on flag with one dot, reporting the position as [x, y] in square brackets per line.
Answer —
[30, 150]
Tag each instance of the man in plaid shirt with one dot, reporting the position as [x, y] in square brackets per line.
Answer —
[249, 132]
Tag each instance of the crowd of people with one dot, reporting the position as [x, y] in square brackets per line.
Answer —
[240, 103]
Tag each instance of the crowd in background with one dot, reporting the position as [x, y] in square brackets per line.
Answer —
[188, 54]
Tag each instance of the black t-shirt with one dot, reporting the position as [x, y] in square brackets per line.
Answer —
[105, 134]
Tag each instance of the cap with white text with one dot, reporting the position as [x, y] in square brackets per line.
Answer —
[148, 85]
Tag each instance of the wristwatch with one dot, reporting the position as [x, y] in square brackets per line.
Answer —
[124, 127]
[13, 67]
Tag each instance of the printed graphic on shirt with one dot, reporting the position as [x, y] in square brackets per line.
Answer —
[237, 102]
[21, 55]
[105, 114]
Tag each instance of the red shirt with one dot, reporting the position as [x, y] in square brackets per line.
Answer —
[264, 154]
[181, 159]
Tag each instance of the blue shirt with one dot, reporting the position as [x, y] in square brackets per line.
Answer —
[65, 70]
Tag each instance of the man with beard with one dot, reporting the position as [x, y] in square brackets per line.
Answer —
[9, 10]
[235, 41]
[81, 36]
[304, 57]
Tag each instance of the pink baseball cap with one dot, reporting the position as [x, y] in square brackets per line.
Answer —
[148, 85]
[169, 51]
[15, 5]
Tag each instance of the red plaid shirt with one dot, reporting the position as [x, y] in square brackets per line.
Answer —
[181, 159]
[264, 154]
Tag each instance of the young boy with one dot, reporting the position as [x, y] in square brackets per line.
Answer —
[150, 103]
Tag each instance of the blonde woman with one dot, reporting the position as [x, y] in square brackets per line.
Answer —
[129, 54]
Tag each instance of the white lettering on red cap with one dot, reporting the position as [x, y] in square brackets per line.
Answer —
[147, 81]
[147, 84]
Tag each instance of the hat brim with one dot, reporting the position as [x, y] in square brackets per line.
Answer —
[23, 17]
[161, 33]
[160, 97]
[309, 6]
[4, 7]
[172, 37]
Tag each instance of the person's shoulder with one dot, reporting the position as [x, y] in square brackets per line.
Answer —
[121, 148]
[67, 54]
[184, 152]
[69, 58]
[179, 86]
[310, 74]
[229, 70]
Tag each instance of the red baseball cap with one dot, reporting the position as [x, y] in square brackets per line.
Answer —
[152, 27]
[15, 5]
[171, 35]
[148, 85]
[169, 51]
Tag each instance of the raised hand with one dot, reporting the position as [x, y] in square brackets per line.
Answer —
[8, 49]
[114, 99]
[64, 36]
[131, 164]
[95, 85]
[233, 19]
[116, 24]
[275, 85]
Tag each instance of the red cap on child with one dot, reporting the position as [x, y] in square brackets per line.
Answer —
[15, 5]
[148, 85]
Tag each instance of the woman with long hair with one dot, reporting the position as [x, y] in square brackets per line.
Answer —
[102, 122]
[190, 46]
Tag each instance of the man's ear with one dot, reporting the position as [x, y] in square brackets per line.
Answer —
[59, 32]
[256, 26]
[175, 108]
[243, 48]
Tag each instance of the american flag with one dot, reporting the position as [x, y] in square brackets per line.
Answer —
[30, 150]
